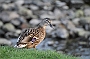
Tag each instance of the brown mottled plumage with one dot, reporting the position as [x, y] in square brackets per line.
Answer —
[31, 37]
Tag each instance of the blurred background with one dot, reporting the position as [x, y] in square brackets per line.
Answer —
[71, 19]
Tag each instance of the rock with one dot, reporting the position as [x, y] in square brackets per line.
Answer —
[81, 32]
[59, 3]
[86, 12]
[2, 33]
[60, 32]
[76, 21]
[47, 16]
[50, 43]
[9, 27]
[48, 30]
[26, 12]
[79, 13]
[1, 23]
[19, 2]
[34, 22]
[55, 22]
[4, 41]
[24, 25]
[65, 7]
[58, 14]
[4, 16]
[83, 43]
[18, 31]
[13, 15]
[11, 35]
[22, 20]
[34, 7]
[16, 22]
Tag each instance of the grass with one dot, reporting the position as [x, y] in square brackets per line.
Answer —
[14, 53]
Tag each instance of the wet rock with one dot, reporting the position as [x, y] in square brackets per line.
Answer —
[4, 41]
[9, 27]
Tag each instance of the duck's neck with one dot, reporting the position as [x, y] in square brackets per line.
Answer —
[41, 25]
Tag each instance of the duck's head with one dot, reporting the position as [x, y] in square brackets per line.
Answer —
[45, 22]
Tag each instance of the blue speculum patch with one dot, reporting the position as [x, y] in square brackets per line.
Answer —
[33, 39]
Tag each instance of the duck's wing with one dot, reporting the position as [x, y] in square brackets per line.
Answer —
[25, 33]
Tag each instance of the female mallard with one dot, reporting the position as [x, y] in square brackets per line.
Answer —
[31, 37]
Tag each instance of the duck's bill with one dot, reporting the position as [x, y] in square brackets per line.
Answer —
[51, 26]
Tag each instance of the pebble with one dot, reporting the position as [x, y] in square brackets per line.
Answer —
[34, 7]
[16, 22]
[34, 22]
[9, 27]
[4, 41]
[1, 23]
[50, 43]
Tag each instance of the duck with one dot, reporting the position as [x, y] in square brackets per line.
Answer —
[31, 37]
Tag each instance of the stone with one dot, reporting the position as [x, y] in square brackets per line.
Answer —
[11, 35]
[18, 31]
[1, 23]
[79, 13]
[50, 43]
[58, 14]
[47, 16]
[4, 16]
[4, 41]
[13, 15]
[26, 12]
[60, 33]
[34, 7]
[76, 21]
[55, 22]
[19, 2]
[34, 21]
[86, 12]
[59, 3]
[2, 33]
[16, 22]
[9, 27]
